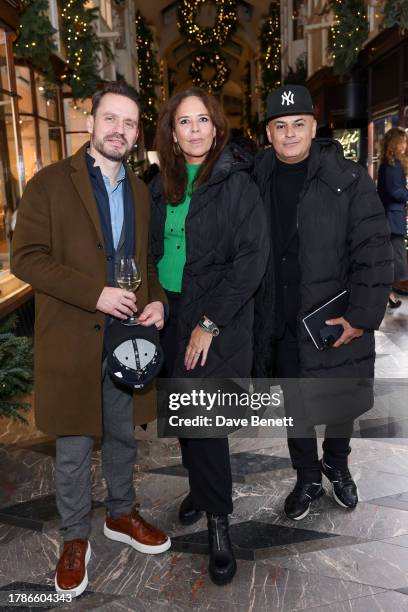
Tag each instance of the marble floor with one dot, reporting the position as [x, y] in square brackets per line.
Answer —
[335, 560]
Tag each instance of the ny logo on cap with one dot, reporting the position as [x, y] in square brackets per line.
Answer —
[288, 98]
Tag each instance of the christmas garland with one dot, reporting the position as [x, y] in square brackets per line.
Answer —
[147, 69]
[348, 34]
[35, 40]
[270, 52]
[214, 60]
[83, 48]
[225, 23]
[396, 13]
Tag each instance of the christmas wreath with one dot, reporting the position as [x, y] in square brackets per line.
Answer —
[217, 34]
[214, 60]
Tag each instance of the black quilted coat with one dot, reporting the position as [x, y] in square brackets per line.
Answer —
[226, 253]
[343, 244]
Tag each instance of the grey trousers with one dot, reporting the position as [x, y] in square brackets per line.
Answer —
[73, 464]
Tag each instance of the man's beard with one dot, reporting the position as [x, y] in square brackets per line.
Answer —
[112, 156]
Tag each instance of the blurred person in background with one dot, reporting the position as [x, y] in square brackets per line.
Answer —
[392, 189]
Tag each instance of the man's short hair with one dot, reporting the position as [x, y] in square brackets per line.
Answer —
[121, 88]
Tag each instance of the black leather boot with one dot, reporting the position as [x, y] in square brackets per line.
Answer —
[188, 515]
[222, 566]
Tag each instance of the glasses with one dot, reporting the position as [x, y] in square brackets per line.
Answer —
[129, 278]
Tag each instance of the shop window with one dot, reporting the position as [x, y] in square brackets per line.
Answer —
[10, 185]
[75, 123]
[350, 140]
[46, 107]
[28, 137]
[40, 121]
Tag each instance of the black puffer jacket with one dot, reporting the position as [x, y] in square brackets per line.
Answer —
[226, 252]
[344, 244]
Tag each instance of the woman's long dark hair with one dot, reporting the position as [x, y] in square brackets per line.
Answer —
[172, 165]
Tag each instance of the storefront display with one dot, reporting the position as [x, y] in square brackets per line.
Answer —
[350, 140]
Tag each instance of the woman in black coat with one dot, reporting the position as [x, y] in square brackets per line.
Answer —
[392, 189]
[210, 244]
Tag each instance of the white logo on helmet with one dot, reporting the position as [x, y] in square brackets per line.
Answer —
[288, 98]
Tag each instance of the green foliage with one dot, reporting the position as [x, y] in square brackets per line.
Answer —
[35, 41]
[348, 34]
[83, 48]
[148, 70]
[270, 51]
[396, 13]
[297, 76]
[16, 370]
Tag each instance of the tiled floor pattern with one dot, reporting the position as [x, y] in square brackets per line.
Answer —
[335, 560]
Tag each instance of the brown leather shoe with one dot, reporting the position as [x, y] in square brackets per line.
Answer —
[132, 529]
[71, 575]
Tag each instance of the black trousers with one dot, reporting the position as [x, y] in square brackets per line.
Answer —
[303, 450]
[206, 459]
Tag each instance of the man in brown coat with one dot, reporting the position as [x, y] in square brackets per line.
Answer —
[76, 219]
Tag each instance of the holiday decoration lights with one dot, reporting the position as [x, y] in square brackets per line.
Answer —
[225, 22]
[347, 34]
[83, 48]
[147, 69]
[270, 52]
[214, 60]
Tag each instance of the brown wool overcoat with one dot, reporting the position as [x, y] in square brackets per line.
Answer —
[58, 248]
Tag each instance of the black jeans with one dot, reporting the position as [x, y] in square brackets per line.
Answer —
[303, 450]
[206, 459]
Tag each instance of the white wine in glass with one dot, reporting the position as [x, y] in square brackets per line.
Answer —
[129, 278]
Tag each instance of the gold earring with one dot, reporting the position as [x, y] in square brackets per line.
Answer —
[176, 148]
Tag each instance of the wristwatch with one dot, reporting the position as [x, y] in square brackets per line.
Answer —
[207, 325]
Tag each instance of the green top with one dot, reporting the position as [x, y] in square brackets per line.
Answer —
[171, 265]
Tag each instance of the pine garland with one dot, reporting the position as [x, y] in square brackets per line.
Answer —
[148, 70]
[270, 51]
[83, 48]
[396, 13]
[16, 371]
[348, 34]
[36, 40]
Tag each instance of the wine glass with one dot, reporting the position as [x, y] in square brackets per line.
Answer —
[129, 278]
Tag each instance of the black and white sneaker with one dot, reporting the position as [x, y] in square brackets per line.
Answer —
[345, 490]
[297, 503]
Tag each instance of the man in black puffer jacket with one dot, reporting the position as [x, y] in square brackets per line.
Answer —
[329, 234]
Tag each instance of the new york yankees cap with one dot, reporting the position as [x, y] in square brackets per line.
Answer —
[288, 100]
[134, 354]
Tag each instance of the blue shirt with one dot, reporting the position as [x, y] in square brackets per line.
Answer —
[115, 195]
